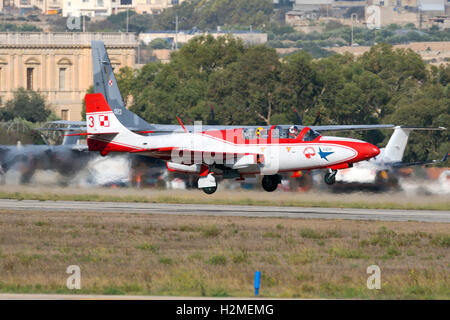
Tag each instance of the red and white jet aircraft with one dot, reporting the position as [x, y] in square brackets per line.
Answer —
[233, 153]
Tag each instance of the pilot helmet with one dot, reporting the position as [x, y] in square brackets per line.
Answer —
[293, 130]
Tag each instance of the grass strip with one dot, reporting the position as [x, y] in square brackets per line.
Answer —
[445, 205]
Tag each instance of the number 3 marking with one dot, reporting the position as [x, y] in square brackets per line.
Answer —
[91, 123]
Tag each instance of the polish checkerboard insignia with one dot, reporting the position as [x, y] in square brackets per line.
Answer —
[104, 121]
[110, 83]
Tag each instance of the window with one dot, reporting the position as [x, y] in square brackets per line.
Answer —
[259, 133]
[282, 133]
[29, 78]
[311, 135]
[293, 132]
[65, 114]
[62, 78]
[279, 133]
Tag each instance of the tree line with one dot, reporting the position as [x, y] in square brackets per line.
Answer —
[201, 14]
[26, 105]
[221, 81]
[336, 34]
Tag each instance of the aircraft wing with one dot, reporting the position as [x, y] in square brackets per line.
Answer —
[352, 127]
[164, 128]
[168, 128]
[171, 128]
[420, 163]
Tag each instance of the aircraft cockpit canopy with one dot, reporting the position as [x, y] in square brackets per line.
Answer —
[256, 133]
[280, 132]
[292, 132]
[310, 135]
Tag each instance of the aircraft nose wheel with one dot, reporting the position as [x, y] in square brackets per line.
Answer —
[330, 177]
[210, 190]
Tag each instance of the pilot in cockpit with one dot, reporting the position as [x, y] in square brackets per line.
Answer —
[293, 132]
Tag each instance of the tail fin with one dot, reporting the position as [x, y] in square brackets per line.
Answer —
[104, 79]
[106, 84]
[99, 117]
[105, 133]
[396, 146]
[397, 143]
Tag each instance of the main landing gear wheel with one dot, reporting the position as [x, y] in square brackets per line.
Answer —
[210, 190]
[330, 177]
[270, 183]
[208, 183]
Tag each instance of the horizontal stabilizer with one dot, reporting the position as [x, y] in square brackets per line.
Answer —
[67, 122]
[90, 134]
[423, 128]
[62, 129]
[420, 163]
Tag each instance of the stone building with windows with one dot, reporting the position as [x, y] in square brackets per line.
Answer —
[58, 65]
[46, 6]
[96, 8]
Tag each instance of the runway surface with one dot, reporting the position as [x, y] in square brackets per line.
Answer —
[227, 210]
[38, 296]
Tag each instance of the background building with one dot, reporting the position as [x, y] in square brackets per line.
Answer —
[43, 5]
[92, 8]
[422, 13]
[153, 6]
[58, 65]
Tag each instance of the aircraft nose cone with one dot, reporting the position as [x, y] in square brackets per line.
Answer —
[368, 151]
[375, 151]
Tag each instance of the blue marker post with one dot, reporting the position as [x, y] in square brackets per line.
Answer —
[257, 282]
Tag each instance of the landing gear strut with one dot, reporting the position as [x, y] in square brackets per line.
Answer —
[330, 177]
[270, 183]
